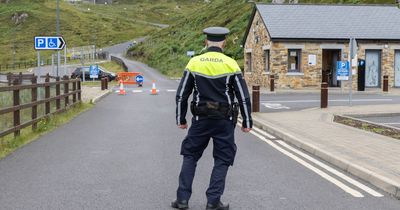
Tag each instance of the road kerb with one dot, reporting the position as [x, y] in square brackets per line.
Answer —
[98, 98]
[383, 183]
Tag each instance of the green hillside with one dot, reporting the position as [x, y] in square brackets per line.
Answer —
[82, 24]
[166, 49]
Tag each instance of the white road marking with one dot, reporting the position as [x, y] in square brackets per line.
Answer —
[334, 100]
[137, 91]
[324, 175]
[333, 171]
[258, 130]
[171, 90]
[391, 123]
[275, 106]
[264, 133]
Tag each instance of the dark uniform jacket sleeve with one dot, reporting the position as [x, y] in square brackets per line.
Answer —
[243, 96]
[182, 94]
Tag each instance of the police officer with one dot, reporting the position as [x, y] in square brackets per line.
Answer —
[215, 79]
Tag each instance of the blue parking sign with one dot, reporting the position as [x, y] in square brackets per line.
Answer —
[343, 70]
[94, 71]
[40, 42]
[49, 43]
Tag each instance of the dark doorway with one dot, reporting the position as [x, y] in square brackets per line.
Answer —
[329, 63]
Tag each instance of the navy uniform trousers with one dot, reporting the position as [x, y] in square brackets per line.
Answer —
[199, 135]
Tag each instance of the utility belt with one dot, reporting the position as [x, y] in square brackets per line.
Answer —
[215, 110]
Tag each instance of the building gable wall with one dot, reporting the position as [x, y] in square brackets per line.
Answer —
[257, 40]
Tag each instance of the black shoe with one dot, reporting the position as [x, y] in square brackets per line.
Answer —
[218, 206]
[179, 204]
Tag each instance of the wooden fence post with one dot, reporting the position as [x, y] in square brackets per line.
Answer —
[34, 99]
[74, 89]
[66, 90]
[17, 119]
[20, 77]
[9, 78]
[47, 94]
[80, 90]
[58, 93]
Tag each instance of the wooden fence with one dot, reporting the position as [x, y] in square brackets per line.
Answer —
[10, 77]
[71, 87]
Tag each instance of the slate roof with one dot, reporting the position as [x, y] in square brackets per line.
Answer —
[331, 21]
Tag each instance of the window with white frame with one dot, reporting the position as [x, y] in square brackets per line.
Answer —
[294, 60]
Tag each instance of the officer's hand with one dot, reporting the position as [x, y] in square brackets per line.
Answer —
[183, 126]
[246, 130]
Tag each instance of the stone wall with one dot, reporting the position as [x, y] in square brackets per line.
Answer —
[259, 40]
[387, 57]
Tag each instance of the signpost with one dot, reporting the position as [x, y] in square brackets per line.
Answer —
[48, 43]
[94, 71]
[353, 53]
[190, 53]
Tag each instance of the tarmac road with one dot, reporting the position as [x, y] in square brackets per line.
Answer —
[299, 101]
[124, 154]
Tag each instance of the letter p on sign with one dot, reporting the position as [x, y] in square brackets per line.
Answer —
[40, 42]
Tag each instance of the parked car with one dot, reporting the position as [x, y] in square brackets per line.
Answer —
[102, 73]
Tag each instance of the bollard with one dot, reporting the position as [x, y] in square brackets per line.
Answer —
[256, 98]
[386, 83]
[324, 95]
[272, 82]
[106, 83]
[102, 83]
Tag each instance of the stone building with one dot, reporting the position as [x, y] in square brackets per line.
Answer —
[301, 44]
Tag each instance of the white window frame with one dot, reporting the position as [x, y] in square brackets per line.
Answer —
[298, 65]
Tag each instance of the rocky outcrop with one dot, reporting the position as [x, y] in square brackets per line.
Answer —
[19, 18]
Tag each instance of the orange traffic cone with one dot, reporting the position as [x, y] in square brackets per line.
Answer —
[121, 88]
[154, 90]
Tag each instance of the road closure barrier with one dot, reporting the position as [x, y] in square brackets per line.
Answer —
[129, 78]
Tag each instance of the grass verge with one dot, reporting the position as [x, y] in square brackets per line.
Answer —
[112, 67]
[97, 83]
[367, 126]
[9, 144]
